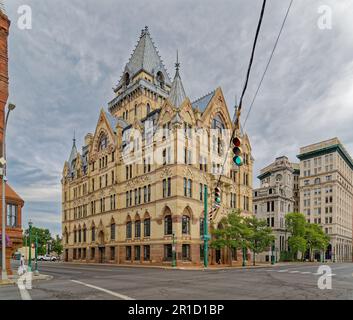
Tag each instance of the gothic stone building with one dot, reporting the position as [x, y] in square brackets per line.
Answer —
[277, 196]
[138, 183]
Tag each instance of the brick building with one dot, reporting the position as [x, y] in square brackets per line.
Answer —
[14, 203]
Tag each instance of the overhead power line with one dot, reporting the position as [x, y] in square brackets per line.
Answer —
[245, 85]
[268, 63]
[252, 55]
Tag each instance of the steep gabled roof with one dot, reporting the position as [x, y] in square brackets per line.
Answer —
[203, 102]
[145, 57]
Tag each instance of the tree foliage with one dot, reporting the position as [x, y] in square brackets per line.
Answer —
[304, 236]
[236, 232]
[43, 236]
[259, 237]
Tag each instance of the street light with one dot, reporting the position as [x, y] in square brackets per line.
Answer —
[36, 256]
[174, 252]
[30, 247]
[10, 107]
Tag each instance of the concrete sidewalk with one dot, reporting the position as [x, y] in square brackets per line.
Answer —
[14, 278]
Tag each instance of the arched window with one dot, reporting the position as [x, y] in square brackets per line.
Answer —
[168, 225]
[186, 225]
[84, 234]
[93, 233]
[128, 229]
[147, 227]
[217, 123]
[138, 229]
[79, 235]
[135, 110]
[202, 227]
[148, 108]
[112, 230]
[75, 235]
[103, 142]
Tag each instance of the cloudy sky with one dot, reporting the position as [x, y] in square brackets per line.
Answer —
[63, 69]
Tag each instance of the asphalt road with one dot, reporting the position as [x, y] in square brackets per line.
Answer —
[83, 282]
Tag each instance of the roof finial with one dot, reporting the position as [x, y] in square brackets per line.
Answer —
[177, 65]
[74, 139]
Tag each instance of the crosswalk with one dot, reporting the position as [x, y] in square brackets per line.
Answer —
[298, 272]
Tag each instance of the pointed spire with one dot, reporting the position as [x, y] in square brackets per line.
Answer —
[177, 65]
[145, 57]
[177, 93]
[74, 139]
[73, 153]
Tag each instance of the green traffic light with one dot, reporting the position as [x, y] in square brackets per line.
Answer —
[218, 200]
[238, 160]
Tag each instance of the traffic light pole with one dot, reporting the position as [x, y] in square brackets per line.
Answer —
[206, 236]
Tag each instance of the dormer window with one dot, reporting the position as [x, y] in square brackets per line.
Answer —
[160, 79]
[126, 79]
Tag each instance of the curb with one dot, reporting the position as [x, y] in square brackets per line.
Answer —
[171, 268]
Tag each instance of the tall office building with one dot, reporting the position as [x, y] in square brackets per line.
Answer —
[326, 193]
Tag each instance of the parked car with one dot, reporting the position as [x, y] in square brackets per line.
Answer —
[47, 257]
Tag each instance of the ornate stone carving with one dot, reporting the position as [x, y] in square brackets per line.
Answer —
[167, 172]
[137, 181]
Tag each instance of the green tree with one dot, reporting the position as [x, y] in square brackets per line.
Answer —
[297, 244]
[296, 226]
[43, 237]
[315, 238]
[259, 236]
[295, 223]
[231, 233]
[57, 246]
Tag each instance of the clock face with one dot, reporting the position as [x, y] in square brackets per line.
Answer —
[279, 177]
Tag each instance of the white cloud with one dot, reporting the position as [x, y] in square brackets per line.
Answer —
[62, 72]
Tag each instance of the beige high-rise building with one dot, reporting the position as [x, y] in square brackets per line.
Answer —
[137, 186]
[278, 195]
[326, 193]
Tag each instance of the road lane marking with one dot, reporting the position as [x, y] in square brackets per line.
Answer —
[306, 272]
[283, 270]
[25, 294]
[115, 294]
[294, 271]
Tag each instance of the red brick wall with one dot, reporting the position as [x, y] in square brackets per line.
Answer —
[4, 76]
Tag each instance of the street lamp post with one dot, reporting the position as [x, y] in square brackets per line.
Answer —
[30, 247]
[244, 256]
[36, 256]
[3, 162]
[173, 252]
